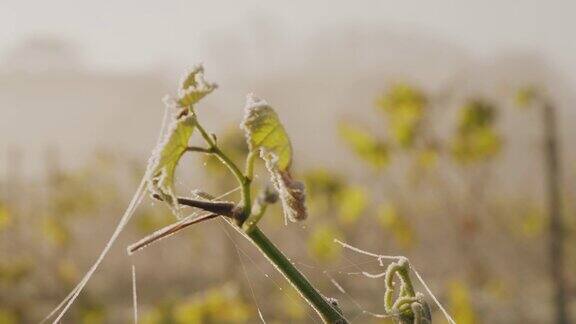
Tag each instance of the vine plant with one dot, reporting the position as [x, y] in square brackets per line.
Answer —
[267, 139]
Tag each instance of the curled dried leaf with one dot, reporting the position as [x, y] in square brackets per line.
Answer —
[292, 195]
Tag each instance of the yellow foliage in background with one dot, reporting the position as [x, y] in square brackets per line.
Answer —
[321, 243]
[220, 305]
[404, 106]
[7, 317]
[5, 218]
[396, 224]
[352, 204]
[56, 231]
[461, 303]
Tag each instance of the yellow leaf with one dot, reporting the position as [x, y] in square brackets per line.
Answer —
[404, 106]
[366, 146]
[8, 317]
[194, 87]
[352, 203]
[5, 218]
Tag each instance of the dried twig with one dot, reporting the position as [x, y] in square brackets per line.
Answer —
[167, 231]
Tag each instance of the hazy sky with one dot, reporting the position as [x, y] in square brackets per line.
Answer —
[137, 34]
[167, 36]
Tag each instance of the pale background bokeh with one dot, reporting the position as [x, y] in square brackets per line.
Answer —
[73, 69]
[84, 77]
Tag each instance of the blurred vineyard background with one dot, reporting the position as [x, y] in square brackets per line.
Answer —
[408, 144]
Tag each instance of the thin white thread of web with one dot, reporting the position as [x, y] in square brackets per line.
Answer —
[264, 273]
[247, 277]
[134, 291]
[328, 274]
[134, 294]
[380, 257]
[128, 213]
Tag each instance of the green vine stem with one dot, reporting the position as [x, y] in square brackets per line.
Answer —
[327, 312]
[244, 181]
[319, 303]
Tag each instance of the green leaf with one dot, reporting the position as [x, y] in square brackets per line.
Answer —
[366, 146]
[167, 154]
[165, 158]
[264, 132]
[266, 135]
[194, 87]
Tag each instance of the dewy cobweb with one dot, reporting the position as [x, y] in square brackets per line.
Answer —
[60, 310]
[400, 266]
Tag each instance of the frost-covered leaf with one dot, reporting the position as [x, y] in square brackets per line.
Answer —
[165, 158]
[266, 135]
[265, 132]
[167, 154]
[194, 87]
